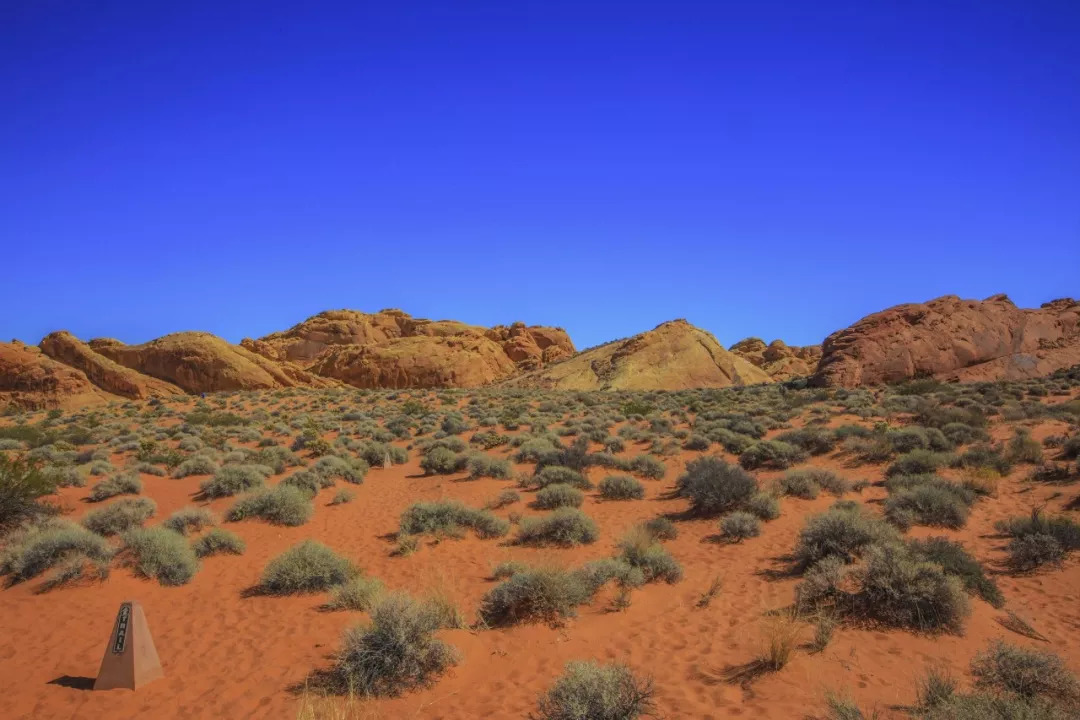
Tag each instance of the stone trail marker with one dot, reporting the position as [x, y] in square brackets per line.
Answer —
[131, 660]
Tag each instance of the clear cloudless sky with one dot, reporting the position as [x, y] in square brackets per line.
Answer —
[771, 168]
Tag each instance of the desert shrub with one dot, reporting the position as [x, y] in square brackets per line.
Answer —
[218, 541]
[307, 480]
[1027, 673]
[397, 651]
[984, 456]
[376, 454]
[621, 487]
[196, 465]
[442, 461]
[1023, 448]
[189, 518]
[597, 692]
[714, 486]
[956, 561]
[120, 516]
[963, 434]
[557, 474]
[21, 484]
[1039, 539]
[146, 468]
[822, 582]
[844, 531]
[813, 440]
[36, 548]
[448, 517]
[481, 466]
[1031, 552]
[917, 462]
[333, 467]
[764, 506]
[648, 467]
[535, 595]
[121, 484]
[661, 528]
[504, 498]
[507, 569]
[903, 591]
[489, 439]
[564, 526]
[277, 458]
[639, 549]
[771, 454]
[343, 496]
[739, 525]
[735, 443]
[280, 505]
[936, 505]
[798, 483]
[558, 495]
[697, 442]
[304, 568]
[1070, 448]
[359, 593]
[160, 554]
[63, 476]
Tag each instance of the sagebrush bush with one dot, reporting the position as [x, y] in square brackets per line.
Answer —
[958, 562]
[739, 525]
[844, 531]
[36, 548]
[558, 475]
[127, 483]
[557, 496]
[306, 567]
[715, 486]
[771, 454]
[234, 479]
[160, 554]
[936, 505]
[448, 517]
[542, 594]
[21, 484]
[764, 506]
[917, 462]
[443, 461]
[481, 465]
[190, 518]
[590, 691]
[120, 516]
[308, 481]
[359, 593]
[195, 465]
[280, 505]
[621, 487]
[332, 467]
[648, 467]
[640, 549]
[1027, 673]
[1039, 539]
[564, 526]
[661, 528]
[218, 541]
[903, 591]
[397, 651]
[813, 440]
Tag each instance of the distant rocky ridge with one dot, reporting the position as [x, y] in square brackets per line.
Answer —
[947, 338]
[955, 340]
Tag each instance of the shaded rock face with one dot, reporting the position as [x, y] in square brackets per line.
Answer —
[673, 356]
[779, 360]
[31, 380]
[103, 372]
[200, 362]
[327, 342]
[953, 339]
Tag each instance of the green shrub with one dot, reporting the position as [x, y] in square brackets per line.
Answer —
[1023, 448]
[558, 495]
[903, 591]
[160, 554]
[697, 442]
[280, 505]
[120, 516]
[558, 475]
[983, 456]
[196, 465]
[661, 528]
[233, 479]
[714, 486]
[33, 549]
[359, 593]
[648, 467]
[917, 462]
[537, 595]
[764, 506]
[62, 476]
[591, 691]
[956, 561]
[309, 481]
[565, 526]
[189, 518]
[121, 484]
[21, 484]
[1027, 673]
[398, 651]
[332, 467]
[1039, 540]
[936, 505]
[218, 541]
[481, 466]
[304, 568]
[1031, 552]
[771, 454]
[798, 483]
[442, 461]
[504, 498]
[844, 531]
[343, 496]
[621, 487]
[813, 440]
[448, 517]
[739, 525]
[640, 549]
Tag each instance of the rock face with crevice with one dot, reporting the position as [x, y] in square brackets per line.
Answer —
[779, 360]
[673, 356]
[953, 339]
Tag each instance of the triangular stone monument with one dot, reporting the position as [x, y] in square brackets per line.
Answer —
[131, 660]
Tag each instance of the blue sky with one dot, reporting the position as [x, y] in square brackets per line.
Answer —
[761, 168]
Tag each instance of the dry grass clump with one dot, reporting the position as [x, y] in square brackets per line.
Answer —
[120, 516]
[34, 549]
[359, 593]
[188, 519]
[557, 496]
[307, 567]
[597, 692]
[280, 505]
[234, 479]
[161, 554]
[218, 541]
[448, 518]
[565, 526]
[621, 487]
[127, 483]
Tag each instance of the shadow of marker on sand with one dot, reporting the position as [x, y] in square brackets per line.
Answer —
[73, 682]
